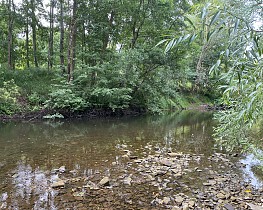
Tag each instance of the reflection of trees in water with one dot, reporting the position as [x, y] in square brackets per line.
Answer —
[74, 129]
[78, 139]
[185, 131]
[29, 188]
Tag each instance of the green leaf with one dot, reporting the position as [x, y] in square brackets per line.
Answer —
[260, 51]
[210, 34]
[179, 40]
[236, 25]
[241, 114]
[227, 53]
[250, 103]
[186, 37]
[204, 12]
[253, 93]
[258, 85]
[192, 38]
[214, 67]
[254, 54]
[169, 45]
[191, 23]
[161, 42]
[214, 18]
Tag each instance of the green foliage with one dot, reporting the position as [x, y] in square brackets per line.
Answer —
[8, 98]
[31, 81]
[63, 98]
[114, 98]
[133, 78]
[34, 86]
[34, 99]
[240, 68]
[244, 95]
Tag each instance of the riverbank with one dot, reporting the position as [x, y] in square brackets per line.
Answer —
[89, 113]
[96, 113]
[99, 112]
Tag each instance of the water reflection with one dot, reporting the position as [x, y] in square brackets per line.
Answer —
[49, 146]
[250, 162]
[29, 189]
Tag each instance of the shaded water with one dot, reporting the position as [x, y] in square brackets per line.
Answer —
[29, 151]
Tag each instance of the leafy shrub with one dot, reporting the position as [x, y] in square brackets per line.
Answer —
[30, 80]
[113, 98]
[65, 99]
[8, 97]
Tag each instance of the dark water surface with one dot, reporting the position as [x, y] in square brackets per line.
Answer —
[30, 150]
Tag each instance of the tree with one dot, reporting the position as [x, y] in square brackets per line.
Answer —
[61, 40]
[72, 41]
[10, 33]
[51, 35]
[33, 26]
[240, 67]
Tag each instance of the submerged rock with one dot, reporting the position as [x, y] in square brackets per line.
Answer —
[221, 196]
[166, 200]
[179, 199]
[209, 183]
[255, 207]
[59, 183]
[229, 207]
[161, 181]
[127, 180]
[62, 169]
[166, 162]
[173, 154]
[91, 185]
[105, 181]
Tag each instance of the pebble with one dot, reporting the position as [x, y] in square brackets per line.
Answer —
[59, 183]
[179, 199]
[105, 181]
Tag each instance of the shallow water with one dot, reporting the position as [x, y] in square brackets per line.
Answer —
[30, 150]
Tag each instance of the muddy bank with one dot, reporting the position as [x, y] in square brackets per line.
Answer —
[96, 113]
[89, 113]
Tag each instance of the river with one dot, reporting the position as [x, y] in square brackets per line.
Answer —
[32, 154]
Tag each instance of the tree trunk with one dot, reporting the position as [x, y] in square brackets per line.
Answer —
[27, 43]
[83, 53]
[107, 33]
[199, 67]
[51, 36]
[140, 21]
[34, 36]
[61, 42]
[34, 44]
[26, 7]
[72, 42]
[10, 34]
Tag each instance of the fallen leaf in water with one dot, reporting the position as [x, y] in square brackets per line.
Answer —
[248, 191]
